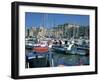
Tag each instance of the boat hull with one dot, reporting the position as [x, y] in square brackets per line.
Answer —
[40, 49]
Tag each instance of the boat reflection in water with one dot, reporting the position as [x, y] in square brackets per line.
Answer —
[53, 54]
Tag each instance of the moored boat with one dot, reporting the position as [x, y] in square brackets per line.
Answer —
[40, 49]
[59, 49]
[77, 49]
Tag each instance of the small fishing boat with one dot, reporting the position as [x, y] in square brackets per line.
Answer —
[37, 60]
[79, 50]
[59, 49]
[83, 50]
[29, 43]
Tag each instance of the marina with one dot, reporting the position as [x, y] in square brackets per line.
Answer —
[51, 54]
[53, 41]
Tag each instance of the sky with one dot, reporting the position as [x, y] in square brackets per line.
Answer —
[50, 20]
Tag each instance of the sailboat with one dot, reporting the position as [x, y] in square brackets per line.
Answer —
[74, 48]
[42, 45]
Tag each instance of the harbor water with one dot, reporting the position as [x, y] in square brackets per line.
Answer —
[57, 59]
